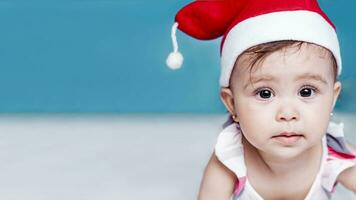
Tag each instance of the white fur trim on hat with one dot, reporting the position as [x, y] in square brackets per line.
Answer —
[285, 25]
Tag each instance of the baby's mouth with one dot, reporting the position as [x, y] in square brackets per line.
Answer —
[288, 134]
[287, 138]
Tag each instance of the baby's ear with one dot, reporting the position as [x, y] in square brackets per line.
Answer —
[227, 98]
[337, 90]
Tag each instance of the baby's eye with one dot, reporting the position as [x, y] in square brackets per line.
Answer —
[307, 91]
[264, 93]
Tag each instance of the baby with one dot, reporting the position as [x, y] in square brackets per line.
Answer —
[280, 65]
[280, 97]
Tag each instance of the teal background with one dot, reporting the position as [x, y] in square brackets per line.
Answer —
[109, 56]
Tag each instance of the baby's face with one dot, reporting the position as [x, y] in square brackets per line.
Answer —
[290, 91]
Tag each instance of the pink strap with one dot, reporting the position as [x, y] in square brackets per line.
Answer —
[240, 185]
[340, 155]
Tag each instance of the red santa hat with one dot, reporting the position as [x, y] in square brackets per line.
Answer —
[246, 23]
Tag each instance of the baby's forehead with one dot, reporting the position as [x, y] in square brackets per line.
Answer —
[306, 56]
[322, 52]
[305, 52]
[292, 50]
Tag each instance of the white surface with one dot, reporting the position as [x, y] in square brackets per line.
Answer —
[86, 157]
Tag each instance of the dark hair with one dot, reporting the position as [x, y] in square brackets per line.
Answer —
[262, 51]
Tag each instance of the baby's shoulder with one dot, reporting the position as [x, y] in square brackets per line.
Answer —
[339, 156]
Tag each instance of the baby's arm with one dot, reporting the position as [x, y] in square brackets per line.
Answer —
[218, 181]
[348, 176]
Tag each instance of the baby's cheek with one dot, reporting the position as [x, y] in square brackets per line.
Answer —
[316, 123]
[257, 127]
[257, 121]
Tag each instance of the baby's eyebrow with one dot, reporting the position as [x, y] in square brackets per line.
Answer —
[257, 79]
[308, 76]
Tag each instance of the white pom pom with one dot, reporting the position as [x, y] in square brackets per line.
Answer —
[174, 60]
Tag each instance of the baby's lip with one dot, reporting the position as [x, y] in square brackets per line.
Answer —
[288, 134]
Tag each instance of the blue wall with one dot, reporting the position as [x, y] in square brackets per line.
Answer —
[109, 56]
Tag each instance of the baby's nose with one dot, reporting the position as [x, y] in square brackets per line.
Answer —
[287, 117]
[287, 112]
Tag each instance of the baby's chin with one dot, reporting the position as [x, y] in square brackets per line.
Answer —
[286, 151]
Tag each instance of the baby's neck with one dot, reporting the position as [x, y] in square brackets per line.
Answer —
[281, 167]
